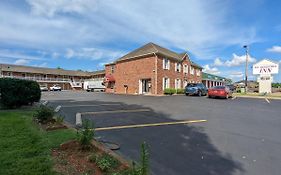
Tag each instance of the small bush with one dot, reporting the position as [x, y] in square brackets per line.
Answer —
[86, 134]
[16, 93]
[59, 119]
[169, 91]
[44, 114]
[106, 162]
[180, 91]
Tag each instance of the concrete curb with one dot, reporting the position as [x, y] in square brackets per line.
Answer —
[259, 97]
[78, 121]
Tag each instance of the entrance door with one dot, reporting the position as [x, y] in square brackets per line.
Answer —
[146, 86]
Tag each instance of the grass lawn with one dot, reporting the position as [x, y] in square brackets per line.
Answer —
[24, 148]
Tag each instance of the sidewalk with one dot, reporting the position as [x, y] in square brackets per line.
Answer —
[276, 96]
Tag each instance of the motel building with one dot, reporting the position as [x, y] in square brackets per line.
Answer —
[66, 79]
[149, 70]
[210, 80]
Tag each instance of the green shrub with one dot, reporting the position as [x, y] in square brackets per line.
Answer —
[180, 91]
[169, 91]
[59, 119]
[16, 93]
[86, 134]
[106, 162]
[44, 114]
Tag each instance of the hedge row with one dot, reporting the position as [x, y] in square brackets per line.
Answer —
[16, 93]
[170, 91]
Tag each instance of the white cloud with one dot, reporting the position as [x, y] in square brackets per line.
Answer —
[276, 49]
[235, 61]
[21, 61]
[218, 62]
[69, 53]
[93, 54]
[50, 8]
[236, 74]
[210, 70]
[197, 26]
[18, 55]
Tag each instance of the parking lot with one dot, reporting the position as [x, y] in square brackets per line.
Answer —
[186, 135]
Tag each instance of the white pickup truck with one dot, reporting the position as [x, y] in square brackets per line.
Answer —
[55, 88]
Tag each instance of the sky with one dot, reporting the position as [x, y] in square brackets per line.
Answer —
[86, 34]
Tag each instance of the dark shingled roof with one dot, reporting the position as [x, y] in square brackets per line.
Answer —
[41, 70]
[151, 48]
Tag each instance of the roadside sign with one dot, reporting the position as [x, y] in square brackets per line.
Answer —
[265, 67]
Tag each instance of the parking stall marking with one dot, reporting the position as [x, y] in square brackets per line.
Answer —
[116, 111]
[267, 100]
[149, 125]
[233, 98]
[72, 106]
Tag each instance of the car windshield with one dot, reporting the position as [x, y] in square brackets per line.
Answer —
[191, 85]
[219, 87]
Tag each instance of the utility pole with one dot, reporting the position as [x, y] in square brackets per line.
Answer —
[246, 68]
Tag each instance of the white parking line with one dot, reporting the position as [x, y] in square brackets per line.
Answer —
[233, 98]
[57, 108]
[71, 106]
[117, 111]
[267, 100]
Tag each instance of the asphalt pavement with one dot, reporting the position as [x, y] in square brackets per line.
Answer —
[241, 135]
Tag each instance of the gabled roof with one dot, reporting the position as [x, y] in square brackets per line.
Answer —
[41, 70]
[151, 48]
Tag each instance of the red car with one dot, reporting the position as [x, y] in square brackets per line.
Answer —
[219, 91]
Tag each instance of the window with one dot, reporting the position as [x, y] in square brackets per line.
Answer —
[177, 83]
[192, 70]
[166, 63]
[166, 83]
[198, 72]
[185, 69]
[177, 67]
[112, 69]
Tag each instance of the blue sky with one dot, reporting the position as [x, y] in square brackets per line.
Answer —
[86, 34]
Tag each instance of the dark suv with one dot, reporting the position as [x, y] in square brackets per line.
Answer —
[196, 89]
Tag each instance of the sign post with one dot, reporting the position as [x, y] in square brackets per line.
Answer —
[264, 69]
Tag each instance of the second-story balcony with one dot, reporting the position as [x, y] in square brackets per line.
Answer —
[39, 79]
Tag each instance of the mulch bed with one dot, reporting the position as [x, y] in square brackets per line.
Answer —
[51, 125]
[72, 159]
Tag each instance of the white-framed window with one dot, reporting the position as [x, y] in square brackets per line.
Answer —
[198, 72]
[177, 83]
[166, 63]
[166, 83]
[177, 67]
[112, 69]
[185, 68]
[192, 70]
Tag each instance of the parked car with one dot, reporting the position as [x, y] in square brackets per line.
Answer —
[43, 88]
[231, 87]
[219, 91]
[55, 88]
[196, 89]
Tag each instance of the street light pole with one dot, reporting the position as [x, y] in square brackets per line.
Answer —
[246, 68]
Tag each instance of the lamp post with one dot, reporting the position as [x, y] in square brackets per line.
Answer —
[246, 67]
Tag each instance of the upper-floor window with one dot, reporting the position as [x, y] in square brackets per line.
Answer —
[185, 68]
[198, 72]
[166, 63]
[177, 83]
[192, 70]
[177, 67]
[112, 69]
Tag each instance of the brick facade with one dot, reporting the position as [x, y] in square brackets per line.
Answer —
[129, 73]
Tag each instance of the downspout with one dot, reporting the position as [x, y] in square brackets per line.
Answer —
[155, 71]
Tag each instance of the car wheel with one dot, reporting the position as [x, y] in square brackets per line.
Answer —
[186, 94]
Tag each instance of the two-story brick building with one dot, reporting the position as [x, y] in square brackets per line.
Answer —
[149, 70]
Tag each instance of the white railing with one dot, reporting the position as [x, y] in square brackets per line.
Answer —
[40, 79]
